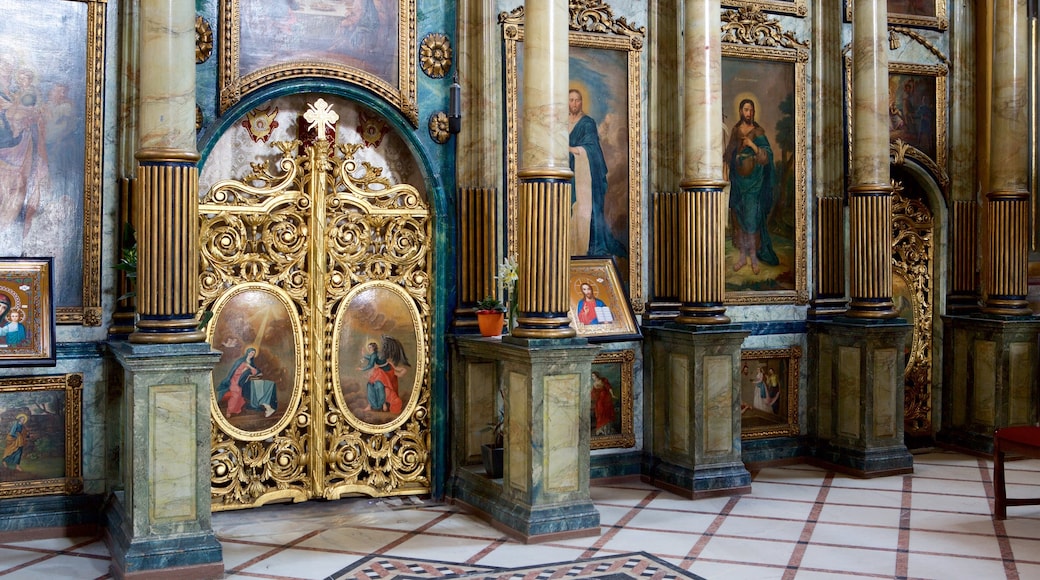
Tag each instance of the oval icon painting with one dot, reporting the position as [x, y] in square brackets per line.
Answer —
[381, 354]
[254, 384]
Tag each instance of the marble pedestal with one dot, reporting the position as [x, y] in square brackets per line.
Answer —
[989, 380]
[544, 384]
[158, 526]
[856, 395]
[692, 439]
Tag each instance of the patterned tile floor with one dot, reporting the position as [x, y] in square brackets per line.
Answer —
[799, 522]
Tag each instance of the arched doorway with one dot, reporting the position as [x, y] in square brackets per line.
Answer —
[914, 241]
[316, 266]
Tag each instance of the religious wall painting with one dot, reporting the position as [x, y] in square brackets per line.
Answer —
[27, 336]
[610, 410]
[769, 392]
[604, 101]
[256, 383]
[51, 89]
[371, 43]
[379, 357]
[40, 417]
[918, 13]
[916, 111]
[796, 7]
[764, 165]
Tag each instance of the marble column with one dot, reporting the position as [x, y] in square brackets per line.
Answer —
[963, 290]
[703, 205]
[1007, 233]
[828, 298]
[870, 196]
[544, 197]
[159, 525]
[857, 360]
[166, 202]
[543, 494]
[478, 158]
[989, 378]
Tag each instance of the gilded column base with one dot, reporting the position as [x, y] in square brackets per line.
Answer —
[697, 315]
[543, 327]
[1007, 306]
[881, 309]
[167, 331]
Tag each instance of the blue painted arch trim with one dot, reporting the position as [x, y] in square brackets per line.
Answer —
[444, 234]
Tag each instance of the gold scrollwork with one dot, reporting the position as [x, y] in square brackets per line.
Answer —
[203, 40]
[435, 55]
[912, 251]
[314, 225]
[748, 25]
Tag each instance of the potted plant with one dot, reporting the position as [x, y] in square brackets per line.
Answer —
[490, 316]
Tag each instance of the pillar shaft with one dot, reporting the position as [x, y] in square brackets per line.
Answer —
[1005, 282]
[870, 196]
[166, 201]
[963, 294]
[544, 176]
[703, 204]
[829, 172]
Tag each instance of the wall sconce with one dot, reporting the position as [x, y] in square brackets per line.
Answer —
[455, 106]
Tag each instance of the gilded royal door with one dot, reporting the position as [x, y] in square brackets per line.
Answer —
[912, 263]
[317, 276]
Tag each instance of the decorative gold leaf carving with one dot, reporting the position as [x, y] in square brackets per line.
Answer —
[435, 55]
[203, 40]
[749, 25]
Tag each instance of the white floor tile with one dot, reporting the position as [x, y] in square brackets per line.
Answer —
[849, 560]
[440, 548]
[761, 528]
[353, 540]
[871, 516]
[947, 567]
[64, 567]
[304, 564]
[748, 551]
[671, 522]
[854, 534]
[517, 555]
[659, 543]
[958, 544]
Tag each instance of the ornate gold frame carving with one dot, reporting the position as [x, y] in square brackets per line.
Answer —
[940, 21]
[19, 392]
[796, 7]
[749, 35]
[234, 83]
[786, 422]
[900, 149]
[912, 257]
[316, 224]
[625, 359]
[592, 25]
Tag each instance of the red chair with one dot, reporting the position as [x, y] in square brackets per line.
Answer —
[1020, 441]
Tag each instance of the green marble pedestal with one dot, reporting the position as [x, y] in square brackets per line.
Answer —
[989, 380]
[544, 384]
[158, 526]
[856, 395]
[693, 396]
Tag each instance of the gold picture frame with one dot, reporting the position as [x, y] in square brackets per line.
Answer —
[925, 144]
[767, 66]
[900, 12]
[55, 84]
[610, 413]
[769, 392]
[42, 425]
[795, 7]
[27, 336]
[367, 46]
[605, 66]
[599, 310]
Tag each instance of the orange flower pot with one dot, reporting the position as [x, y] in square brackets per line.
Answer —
[490, 322]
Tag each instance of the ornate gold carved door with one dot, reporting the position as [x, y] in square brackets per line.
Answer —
[912, 251]
[317, 275]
